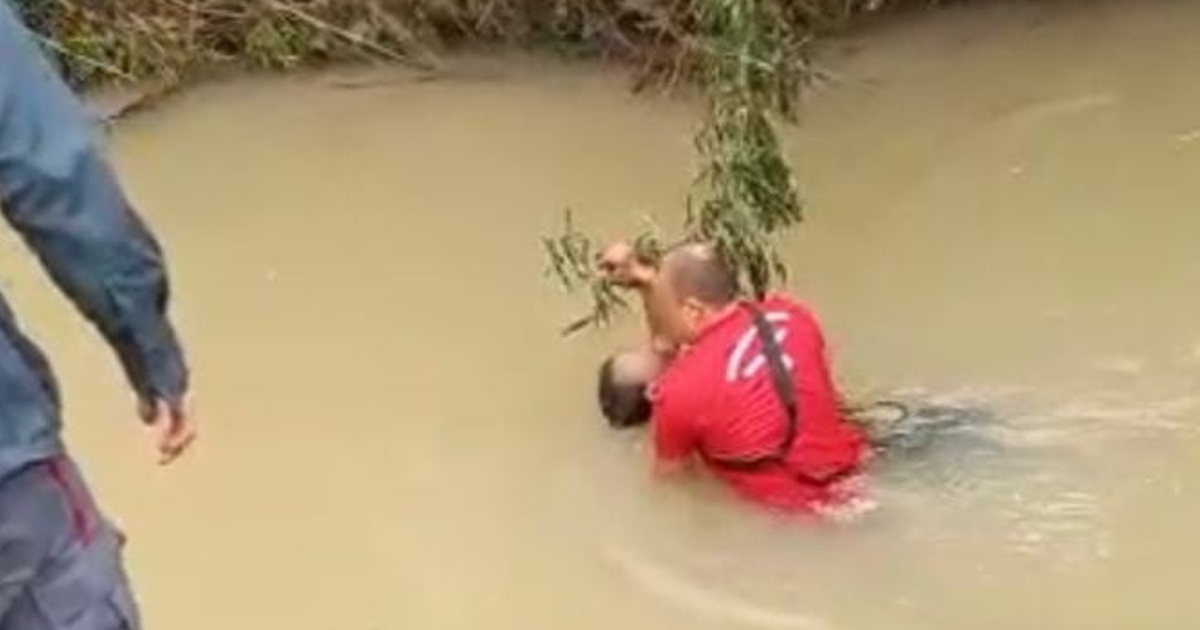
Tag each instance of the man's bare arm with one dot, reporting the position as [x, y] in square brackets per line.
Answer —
[663, 316]
[622, 267]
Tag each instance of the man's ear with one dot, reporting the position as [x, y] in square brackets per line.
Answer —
[693, 306]
[693, 312]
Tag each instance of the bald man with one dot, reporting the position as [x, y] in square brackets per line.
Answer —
[744, 387]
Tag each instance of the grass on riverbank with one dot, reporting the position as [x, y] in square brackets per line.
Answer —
[100, 41]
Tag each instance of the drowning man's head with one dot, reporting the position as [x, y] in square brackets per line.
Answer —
[690, 288]
[623, 389]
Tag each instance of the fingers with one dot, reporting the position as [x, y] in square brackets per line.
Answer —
[176, 445]
[616, 254]
[147, 410]
[175, 428]
[616, 263]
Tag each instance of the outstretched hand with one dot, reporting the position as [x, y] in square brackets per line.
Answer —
[173, 425]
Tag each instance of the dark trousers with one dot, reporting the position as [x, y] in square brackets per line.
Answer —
[60, 560]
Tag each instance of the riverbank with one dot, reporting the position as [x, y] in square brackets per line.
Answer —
[167, 41]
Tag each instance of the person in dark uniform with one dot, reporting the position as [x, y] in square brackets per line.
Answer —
[60, 566]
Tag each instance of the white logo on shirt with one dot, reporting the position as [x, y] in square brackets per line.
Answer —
[739, 366]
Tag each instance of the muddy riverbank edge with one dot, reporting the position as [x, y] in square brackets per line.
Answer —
[168, 41]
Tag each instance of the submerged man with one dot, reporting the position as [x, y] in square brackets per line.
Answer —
[59, 558]
[744, 387]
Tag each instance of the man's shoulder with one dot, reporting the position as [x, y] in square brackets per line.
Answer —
[693, 372]
[689, 364]
[785, 301]
[793, 307]
[805, 333]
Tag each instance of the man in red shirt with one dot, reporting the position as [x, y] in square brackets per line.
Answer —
[744, 387]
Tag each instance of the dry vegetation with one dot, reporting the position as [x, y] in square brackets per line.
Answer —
[127, 40]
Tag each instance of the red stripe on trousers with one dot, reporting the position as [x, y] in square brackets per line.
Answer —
[81, 517]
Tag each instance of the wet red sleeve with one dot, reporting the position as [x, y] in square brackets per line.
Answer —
[675, 424]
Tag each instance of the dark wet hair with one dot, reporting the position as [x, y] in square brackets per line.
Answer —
[625, 405]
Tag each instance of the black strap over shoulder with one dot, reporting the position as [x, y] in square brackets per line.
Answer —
[785, 389]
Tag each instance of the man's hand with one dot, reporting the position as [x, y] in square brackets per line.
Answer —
[173, 425]
[619, 263]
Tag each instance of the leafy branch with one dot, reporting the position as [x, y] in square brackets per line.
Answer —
[572, 261]
[752, 65]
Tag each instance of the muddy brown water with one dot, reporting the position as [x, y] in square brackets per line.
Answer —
[1002, 213]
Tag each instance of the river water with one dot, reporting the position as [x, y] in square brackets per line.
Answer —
[1001, 214]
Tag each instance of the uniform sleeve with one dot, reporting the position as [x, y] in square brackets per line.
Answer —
[64, 200]
[675, 422]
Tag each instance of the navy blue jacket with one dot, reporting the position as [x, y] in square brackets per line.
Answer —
[57, 191]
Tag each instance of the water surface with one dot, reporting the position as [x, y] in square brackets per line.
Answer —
[1001, 211]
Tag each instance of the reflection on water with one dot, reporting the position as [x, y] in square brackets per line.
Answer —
[1002, 213]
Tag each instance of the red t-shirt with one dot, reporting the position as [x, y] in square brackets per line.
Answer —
[717, 399]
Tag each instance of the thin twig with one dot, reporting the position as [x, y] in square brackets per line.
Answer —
[354, 38]
[144, 100]
[87, 59]
[401, 30]
[194, 7]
